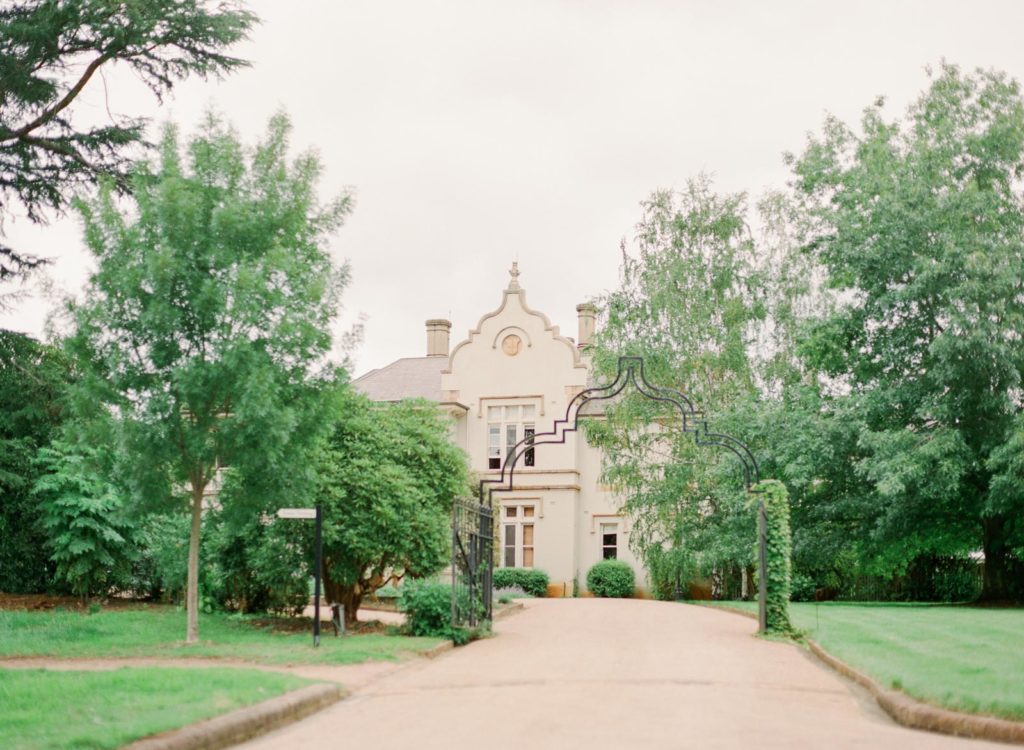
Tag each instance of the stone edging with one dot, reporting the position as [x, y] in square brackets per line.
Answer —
[913, 713]
[244, 723]
[508, 609]
[437, 650]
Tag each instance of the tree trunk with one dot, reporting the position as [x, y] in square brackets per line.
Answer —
[192, 585]
[351, 600]
[337, 593]
[350, 597]
[1003, 573]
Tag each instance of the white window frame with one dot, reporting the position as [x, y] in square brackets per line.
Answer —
[602, 530]
[507, 424]
[517, 522]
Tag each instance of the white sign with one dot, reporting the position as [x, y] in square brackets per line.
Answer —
[296, 513]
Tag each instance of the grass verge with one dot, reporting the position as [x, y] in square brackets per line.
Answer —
[158, 631]
[964, 658]
[57, 710]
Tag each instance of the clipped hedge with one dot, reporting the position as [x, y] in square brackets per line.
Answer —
[611, 578]
[531, 581]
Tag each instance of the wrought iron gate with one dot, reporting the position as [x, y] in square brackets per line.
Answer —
[472, 562]
[473, 520]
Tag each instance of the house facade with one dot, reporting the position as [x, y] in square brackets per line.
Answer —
[512, 377]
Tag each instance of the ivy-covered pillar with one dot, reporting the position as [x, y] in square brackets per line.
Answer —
[775, 555]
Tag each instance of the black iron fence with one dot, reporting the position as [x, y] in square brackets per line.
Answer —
[472, 562]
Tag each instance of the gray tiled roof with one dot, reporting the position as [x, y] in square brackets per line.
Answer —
[411, 377]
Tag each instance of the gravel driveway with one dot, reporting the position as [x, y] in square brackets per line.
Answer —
[601, 673]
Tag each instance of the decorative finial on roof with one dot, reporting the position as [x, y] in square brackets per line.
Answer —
[514, 273]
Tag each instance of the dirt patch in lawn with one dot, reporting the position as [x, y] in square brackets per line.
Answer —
[43, 602]
[303, 624]
[352, 676]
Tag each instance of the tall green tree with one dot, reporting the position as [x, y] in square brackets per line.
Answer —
[51, 52]
[206, 325]
[688, 302]
[33, 381]
[919, 222]
[88, 529]
[387, 476]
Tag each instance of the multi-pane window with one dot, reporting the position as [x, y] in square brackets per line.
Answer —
[609, 541]
[506, 426]
[517, 525]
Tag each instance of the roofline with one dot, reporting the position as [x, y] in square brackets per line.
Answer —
[368, 373]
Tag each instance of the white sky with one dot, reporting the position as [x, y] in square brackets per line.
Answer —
[476, 133]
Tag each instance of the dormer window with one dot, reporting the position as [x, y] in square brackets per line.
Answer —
[506, 426]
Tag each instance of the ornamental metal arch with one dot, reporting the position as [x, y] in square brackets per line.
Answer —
[630, 371]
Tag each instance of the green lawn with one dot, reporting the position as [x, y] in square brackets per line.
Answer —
[965, 658]
[43, 709]
[159, 631]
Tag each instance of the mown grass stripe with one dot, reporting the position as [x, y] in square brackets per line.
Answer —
[54, 710]
[158, 631]
[963, 658]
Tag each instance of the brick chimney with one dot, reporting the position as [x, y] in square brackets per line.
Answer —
[587, 314]
[438, 331]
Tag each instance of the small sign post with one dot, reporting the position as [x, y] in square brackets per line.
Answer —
[297, 513]
[308, 513]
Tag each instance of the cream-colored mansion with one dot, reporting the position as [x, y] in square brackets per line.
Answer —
[513, 376]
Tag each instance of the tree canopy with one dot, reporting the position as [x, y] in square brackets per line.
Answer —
[33, 380]
[51, 51]
[919, 224]
[867, 345]
[688, 302]
[206, 326]
[387, 476]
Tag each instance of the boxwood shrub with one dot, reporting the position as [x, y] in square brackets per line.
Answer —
[611, 578]
[531, 581]
[428, 612]
[427, 607]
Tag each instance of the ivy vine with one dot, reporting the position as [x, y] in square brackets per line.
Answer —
[775, 497]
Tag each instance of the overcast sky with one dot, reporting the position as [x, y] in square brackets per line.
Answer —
[477, 133]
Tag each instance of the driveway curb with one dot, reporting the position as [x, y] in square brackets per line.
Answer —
[509, 609]
[437, 650]
[245, 723]
[913, 713]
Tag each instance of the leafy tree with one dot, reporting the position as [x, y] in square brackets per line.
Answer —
[206, 325]
[920, 225]
[84, 516]
[161, 569]
[254, 564]
[387, 476]
[51, 50]
[688, 302]
[810, 441]
[33, 379]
